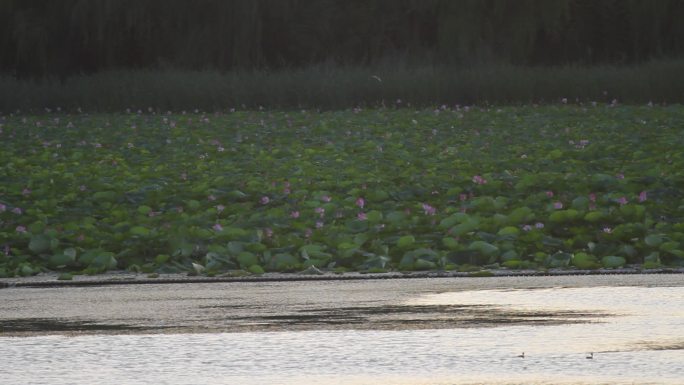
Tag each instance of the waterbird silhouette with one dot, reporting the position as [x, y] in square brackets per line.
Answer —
[522, 355]
[590, 356]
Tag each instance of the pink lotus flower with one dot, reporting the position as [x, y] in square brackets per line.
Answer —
[17, 210]
[287, 190]
[264, 200]
[360, 202]
[462, 197]
[211, 198]
[539, 225]
[217, 227]
[21, 229]
[643, 196]
[549, 194]
[361, 216]
[319, 224]
[3, 208]
[429, 210]
[220, 208]
[557, 205]
[622, 200]
[477, 179]
[294, 214]
[607, 230]
[320, 211]
[527, 228]
[592, 197]
[326, 198]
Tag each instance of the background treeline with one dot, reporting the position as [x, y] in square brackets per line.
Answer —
[61, 38]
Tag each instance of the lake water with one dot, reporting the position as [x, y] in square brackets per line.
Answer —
[635, 332]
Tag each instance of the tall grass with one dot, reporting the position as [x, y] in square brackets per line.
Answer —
[334, 87]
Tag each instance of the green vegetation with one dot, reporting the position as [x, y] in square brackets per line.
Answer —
[68, 37]
[334, 87]
[558, 186]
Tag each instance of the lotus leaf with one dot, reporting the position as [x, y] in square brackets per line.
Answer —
[612, 261]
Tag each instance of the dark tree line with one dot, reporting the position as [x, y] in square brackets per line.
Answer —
[64, 37]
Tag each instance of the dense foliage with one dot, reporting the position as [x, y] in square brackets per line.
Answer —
[59, 38]
[527, 187]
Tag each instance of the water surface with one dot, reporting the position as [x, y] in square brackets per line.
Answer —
[453, 334]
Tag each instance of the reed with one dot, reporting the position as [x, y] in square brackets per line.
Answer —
[339, 87]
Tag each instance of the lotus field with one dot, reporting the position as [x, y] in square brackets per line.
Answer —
[240, 192]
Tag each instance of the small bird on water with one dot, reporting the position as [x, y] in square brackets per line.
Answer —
[590, 356]
[522, 355]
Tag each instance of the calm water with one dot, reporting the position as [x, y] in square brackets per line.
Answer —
[636, 334]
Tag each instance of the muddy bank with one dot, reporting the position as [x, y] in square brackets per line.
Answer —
[208, 307]
[128, 278]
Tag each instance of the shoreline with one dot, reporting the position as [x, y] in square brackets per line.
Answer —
[127, 278]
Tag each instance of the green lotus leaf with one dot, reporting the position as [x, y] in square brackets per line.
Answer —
[612, 261]
[105, 196]
[509, 231]
[521, 215]
[558, 260]
[247, 259]
[594, 216]
[484, 248]
[421, 264]
[375, 262]
[654, 240]
[669, 246]
[356, 226]
[453, 220]
[61, 260]
[40, 244]
[509, 255]
[395, 217]
[512, 264]
[104, 261]
[284, 262]
[585, 261]
[160, 259]
[562, 216]
[406, 241]
[374, 216]
[468, 226]
[450, 243]
[139, 231]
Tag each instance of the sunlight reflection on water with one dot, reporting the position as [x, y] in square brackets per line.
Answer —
[626, 348]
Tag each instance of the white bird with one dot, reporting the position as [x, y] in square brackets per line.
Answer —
[590, 356]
